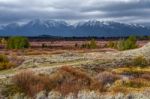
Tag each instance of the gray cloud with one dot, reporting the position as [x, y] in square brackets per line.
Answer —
[130, 11]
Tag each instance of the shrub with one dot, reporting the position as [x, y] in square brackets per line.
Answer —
[3, 41]
[10, 90]
[91, 45]
[86, 45]
[121, 45]
[119, 90]
[129, 85]
[4, 66]
[130, 43]
[30, 83]
[5, 63]
[111, 44]
[44, 45]
[137, 83]
[3, 59]
[107, 77]
[66, 80]
[17, 43]
[74, 80]
[140, 61]
[127, 44]
[76, 45]
[146, 76]
[133, 71]
[132, 83]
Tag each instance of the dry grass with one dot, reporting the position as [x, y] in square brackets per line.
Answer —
[66, 80]
[74, 80]
[28, 82]
[107, 77]
[116, 90]
[140, 61]
[131, 85]
[132, 70]
[5, 63]
[137, 83]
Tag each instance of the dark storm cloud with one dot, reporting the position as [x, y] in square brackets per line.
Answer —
[137, 11]
[121, 6]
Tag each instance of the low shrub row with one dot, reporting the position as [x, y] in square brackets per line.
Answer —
[127, 44]
[66, 80]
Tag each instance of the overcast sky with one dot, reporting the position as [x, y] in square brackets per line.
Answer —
[128, 11]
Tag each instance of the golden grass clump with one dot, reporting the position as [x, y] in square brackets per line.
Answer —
[5, 63]
[132, 70]
[130, 85]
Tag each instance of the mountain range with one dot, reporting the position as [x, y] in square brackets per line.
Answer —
[81, 29]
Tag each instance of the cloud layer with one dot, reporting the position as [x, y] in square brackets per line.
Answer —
[130, 11]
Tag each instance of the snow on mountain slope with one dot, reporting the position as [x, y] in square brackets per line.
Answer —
[61, 28]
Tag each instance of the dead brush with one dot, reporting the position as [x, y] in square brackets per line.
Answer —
[30, 83]
[66, 80]
[75, 80]
[107, 77]
[146, 76]
[137, 83]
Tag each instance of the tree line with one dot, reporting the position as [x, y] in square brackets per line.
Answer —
[16, 42]
[19, 42]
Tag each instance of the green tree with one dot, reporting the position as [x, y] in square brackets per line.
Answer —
[112, 44]
[17, 43]
[90, 45]
[129, 43]
[121, 45]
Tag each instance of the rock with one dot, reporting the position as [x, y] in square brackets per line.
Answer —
[120, 96]
[71, 96]
[20, 96]
[55, 95]
[88, 95]
[41, 95]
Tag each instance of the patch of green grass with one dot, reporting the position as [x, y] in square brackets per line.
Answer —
[6, 72]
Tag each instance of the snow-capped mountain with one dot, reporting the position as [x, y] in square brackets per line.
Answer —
[46, 23]
[61, 28]
[109, 29]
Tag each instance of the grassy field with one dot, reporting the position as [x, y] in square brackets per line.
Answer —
[78, 72]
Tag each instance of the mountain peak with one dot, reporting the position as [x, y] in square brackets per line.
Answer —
[12, 25]
[88, 28]
[46, 23]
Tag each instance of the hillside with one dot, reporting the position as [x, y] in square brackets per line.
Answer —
[81, 29]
